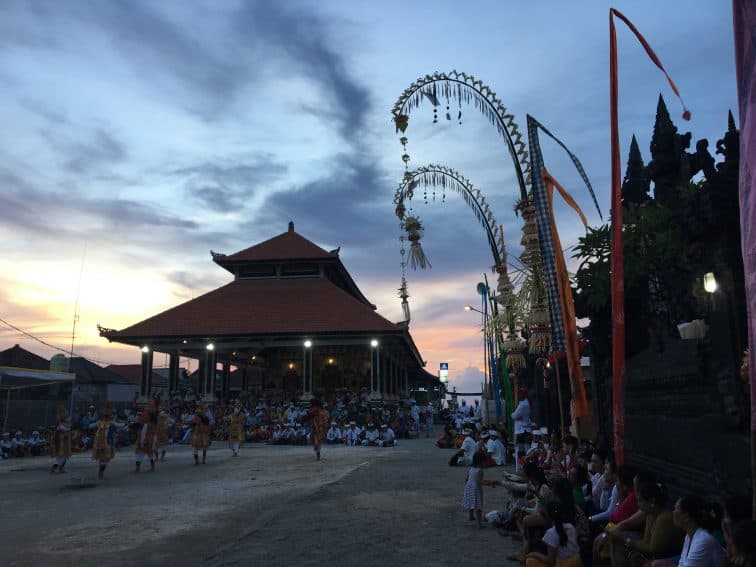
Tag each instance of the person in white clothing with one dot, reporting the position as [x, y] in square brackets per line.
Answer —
[521, 418]
[561, 541]
[609, 498]
[697, 518]
[352, 435]
[468, 449]
[371, 435]
[333, 435]
[387, 437]
[496, 449]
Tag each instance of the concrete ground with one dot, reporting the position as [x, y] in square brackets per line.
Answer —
[359, 506]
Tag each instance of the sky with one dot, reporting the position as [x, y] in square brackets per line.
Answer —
[138, 136]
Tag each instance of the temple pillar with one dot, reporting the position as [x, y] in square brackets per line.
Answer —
[226, 381]
[210, 367]
[307, 373]
[375, 368]
[145, 375]
[173, 372]
[405, 383]
[245, 377]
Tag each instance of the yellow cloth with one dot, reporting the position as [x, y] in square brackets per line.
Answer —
[574, 561]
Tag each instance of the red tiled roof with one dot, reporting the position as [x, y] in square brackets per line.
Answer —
[21, 358]
[264, 306]
[285, 246]
[133, 374]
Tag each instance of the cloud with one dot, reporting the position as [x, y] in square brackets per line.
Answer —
[103, 149]
[302, 39]
[225, 187]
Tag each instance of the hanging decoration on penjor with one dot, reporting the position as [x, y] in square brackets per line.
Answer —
[617, 256]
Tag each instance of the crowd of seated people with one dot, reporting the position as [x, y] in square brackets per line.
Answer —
[17, 445]
[617, 516]
[355, 420]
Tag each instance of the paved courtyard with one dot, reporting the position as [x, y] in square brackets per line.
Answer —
[359, 506]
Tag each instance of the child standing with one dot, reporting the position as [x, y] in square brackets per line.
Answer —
[472, 498]
[561, 540]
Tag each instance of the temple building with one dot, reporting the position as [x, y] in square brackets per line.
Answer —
[291, 321]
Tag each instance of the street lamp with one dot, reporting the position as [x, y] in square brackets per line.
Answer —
[710, 282]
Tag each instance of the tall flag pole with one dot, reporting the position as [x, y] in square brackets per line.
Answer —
[617, 265]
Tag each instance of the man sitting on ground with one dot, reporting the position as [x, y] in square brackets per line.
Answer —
[387, 437]
[333, 435]
[496, 449]
[6, 446]
[371, 435]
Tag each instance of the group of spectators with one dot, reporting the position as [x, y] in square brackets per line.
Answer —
[17, 445]
[354, 418]
[574, 506]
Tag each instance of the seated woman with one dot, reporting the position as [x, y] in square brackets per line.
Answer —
[533, 525]
[661, 538]
[699, 519]
[561, 542]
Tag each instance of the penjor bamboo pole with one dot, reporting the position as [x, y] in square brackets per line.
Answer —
[559, 394]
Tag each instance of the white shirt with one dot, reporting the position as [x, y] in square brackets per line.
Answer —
[371, 435]
[497, 450]
[521, 417]
[597, 482]
[703, 550]
[333, 433]
[607, 508]
[389, 435]
[551, 538]
[469, 446]
[351, 436]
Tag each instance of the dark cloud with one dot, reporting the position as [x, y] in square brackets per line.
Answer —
[192, 283]
[302, 38]
[102, 149]
[223, 187]
[28, 209]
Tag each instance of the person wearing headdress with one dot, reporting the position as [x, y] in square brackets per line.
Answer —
[164, 425]
[146, 441]
[236, 428]
[61, 449]
[319, 421]
[103, 447]
[200, 434]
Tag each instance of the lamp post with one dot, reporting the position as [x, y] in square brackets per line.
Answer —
[375, 370]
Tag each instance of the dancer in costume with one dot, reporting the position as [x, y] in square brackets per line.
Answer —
[319, 423]
[200, 434]
[103, 448]
[164, 425]
[146, 441]
[61, 449]
[236, 428]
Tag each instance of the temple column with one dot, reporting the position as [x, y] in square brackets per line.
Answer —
[307, 372]
[395, 379]
[173, 372]
[405, 383]
[145, 375]
[210, 364]
[375, 368]
[245, 377]
[226, 381]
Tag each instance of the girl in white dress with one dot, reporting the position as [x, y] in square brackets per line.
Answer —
[472, 499]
